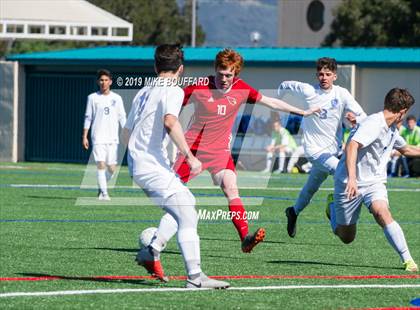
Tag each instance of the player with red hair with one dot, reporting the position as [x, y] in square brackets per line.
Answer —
[209, 135]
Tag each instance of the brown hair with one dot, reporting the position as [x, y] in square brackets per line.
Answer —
[326, 62]
[168, 57]
[101, 72]
[411, 117]
[229, 58]
[398, 99]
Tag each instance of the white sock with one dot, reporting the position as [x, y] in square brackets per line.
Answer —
[394, 165]
[269, 161]
[292, 163]
[181, 206]
[189, 243]
[101, 175]
[166, 230]
[395, 236]
[282, 158]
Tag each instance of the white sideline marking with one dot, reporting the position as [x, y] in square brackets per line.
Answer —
[176, 289]
[145, 201]
[198, 187]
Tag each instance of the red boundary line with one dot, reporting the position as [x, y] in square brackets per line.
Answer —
[389, 308]
[362, 277]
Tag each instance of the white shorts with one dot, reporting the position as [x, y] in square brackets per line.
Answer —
[106, 153]
[325, 162]
[347, 211]
[159, 183]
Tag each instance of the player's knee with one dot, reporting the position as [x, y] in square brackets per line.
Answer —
[111, 169]
[101, 165]
[183, 199]
[187, 208]
[189, 197]
[231, 192]
[181, 206]
[382, 216]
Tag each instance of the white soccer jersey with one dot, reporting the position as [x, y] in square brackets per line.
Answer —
[377, 140]
[134, 111]
[148, 140]
[322, 132]
[103, 113]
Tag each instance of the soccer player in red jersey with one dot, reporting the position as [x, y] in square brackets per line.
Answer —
[209, 135]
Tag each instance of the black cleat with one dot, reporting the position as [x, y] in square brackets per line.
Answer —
[291, 221]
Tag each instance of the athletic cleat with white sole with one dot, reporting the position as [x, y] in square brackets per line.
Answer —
[411, 266]
[205, 282]
[291, 221]
[251, 241]
[154, 267]
[330, 200]
[104, 197]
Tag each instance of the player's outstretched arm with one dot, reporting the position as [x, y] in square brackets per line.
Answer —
[174, 129]
[294, 88]
[410, 151]
[352, 148]
[280, 105]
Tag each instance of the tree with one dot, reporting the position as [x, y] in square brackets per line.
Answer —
[154, 22]
[375, 23]
[20, 46]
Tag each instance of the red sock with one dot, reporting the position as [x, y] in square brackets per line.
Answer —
[238, 211]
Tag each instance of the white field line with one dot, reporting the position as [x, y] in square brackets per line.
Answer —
[38, 168]
[197, 187]
[145, 201]
[244, 288]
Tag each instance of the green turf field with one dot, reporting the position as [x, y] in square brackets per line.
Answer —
[49, 227]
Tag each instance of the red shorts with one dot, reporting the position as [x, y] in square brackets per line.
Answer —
[211, 161]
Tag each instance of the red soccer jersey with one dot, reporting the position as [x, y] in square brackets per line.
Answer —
[215, 113]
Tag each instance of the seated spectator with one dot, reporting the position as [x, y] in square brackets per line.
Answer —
[411, 134]
[282, 145]
[294, 159]
[397, 160]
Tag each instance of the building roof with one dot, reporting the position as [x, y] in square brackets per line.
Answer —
[63, 19]
[257, 56]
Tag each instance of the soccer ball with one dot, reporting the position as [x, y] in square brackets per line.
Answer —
[146, 236]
